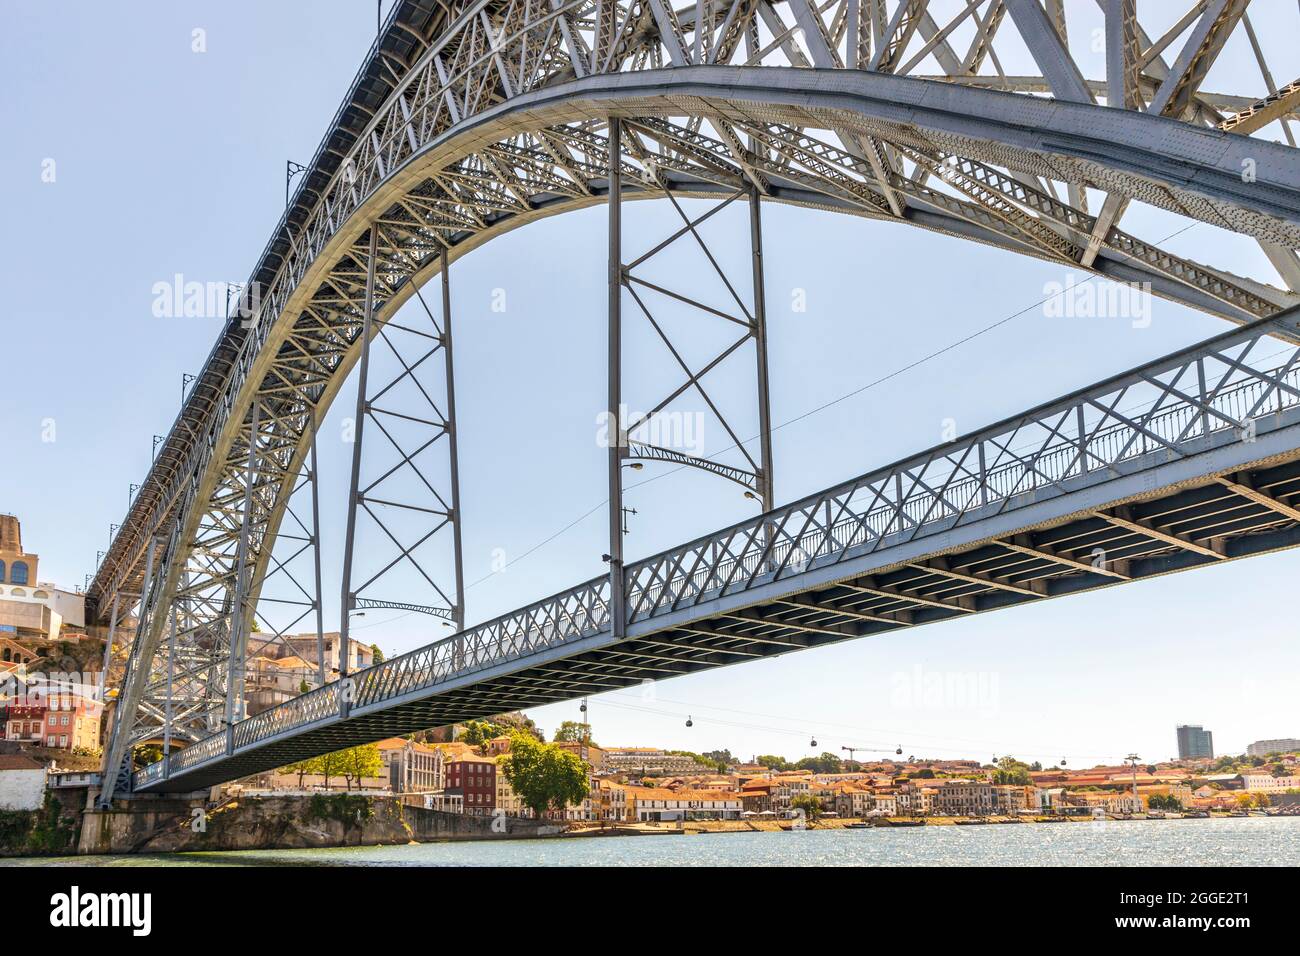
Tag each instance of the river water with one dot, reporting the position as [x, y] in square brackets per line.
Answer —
[1255, 841]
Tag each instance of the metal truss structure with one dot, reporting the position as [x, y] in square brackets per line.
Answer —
[471, 118]
[1053, 502]
[414, 424]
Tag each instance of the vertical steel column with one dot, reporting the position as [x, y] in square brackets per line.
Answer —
[618, 617]
[238, 628]
[170, 711]
[367, 321]
[459, 610]
[315, 531]
[760, 344]
[108, 650]
[119, 746]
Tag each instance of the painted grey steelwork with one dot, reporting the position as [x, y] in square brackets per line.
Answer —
[473, 118]
[1043, 504]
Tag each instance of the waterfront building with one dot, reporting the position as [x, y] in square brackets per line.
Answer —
[507, 800]
[659, 805]
[885, 803]
[58, 722]
[442, 800]
[72, 721]
[963, 798]
[475, 779]
[1050, 799]
[1194, 741]
[1110, 801]
[916, 798]
[853, 801]
[22, 782]
[1012, 799]
[411, 767]
[588, 753]
[1262, 748]
[1268, 783]
[25, 723]
[611, 800]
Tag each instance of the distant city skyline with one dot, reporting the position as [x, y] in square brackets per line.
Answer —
[193, 184]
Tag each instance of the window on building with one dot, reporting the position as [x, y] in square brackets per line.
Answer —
[2, 572]
[19, 573]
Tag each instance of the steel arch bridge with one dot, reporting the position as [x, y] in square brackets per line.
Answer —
[469, 119]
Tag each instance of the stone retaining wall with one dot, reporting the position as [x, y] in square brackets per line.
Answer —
[285, 822]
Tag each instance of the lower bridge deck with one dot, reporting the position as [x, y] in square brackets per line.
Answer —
[1189, 461]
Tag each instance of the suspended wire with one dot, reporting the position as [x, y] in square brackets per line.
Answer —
[875, 746]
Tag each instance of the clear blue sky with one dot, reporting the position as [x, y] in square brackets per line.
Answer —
[170, 161]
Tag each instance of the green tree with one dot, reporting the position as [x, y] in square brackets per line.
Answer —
[810, 805]
[149, 753]
[572, 731]
[358, 762]
[823, 763]
[1009, 770]
[773, 762]
[379, 655]
[722, 758]
[703, 761]
[479, 732]
[330, 765]
[544, 776]
[1164, 802]
[302, 768]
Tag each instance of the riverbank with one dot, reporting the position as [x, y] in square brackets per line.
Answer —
[842, 823]
[321, 821]
[1220, 841]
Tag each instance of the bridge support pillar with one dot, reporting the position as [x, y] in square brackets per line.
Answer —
[671, 431]
[403, 484]
[617, 436]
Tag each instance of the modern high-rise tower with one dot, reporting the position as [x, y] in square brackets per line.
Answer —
[1194, 741]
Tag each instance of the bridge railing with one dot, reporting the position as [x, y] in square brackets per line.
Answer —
[1174, 405]
[568, 616]
[1169, 405]
[322, 703]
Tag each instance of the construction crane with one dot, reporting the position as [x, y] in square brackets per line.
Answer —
[870, 750]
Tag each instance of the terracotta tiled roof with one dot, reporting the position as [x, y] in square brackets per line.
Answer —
[19, 762]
